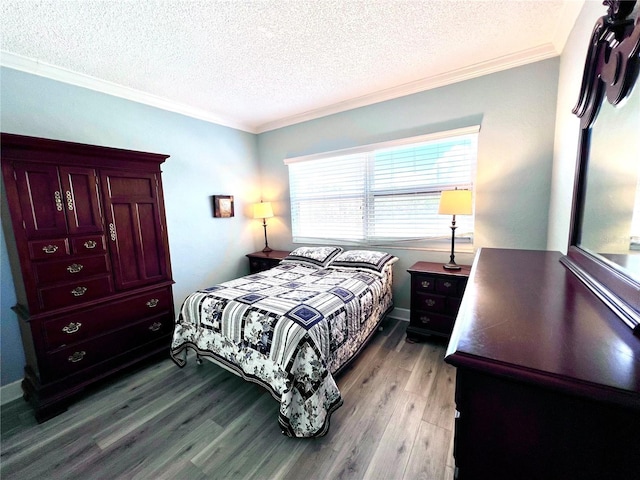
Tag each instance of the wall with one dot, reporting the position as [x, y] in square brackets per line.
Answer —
[206, 159]
[516, 110]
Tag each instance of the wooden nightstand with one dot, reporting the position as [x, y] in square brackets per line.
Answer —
[259, 261]
[435, 298]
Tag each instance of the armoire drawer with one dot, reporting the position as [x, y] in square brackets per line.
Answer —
[88, 245]
[75, 293]
[71, 359]
[108, 317]
[70, 269]
[49, 249]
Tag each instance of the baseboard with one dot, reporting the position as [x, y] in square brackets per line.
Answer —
[400, 314]
[10, 392]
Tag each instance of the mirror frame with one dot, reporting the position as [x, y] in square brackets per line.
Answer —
[611, 70]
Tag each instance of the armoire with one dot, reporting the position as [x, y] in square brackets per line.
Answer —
[89, 254]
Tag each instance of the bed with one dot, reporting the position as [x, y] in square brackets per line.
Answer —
[292, 328]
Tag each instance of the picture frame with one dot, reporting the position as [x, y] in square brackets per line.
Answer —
[223, 206]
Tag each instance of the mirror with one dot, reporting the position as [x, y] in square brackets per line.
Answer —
[611, 208]
[604, 243]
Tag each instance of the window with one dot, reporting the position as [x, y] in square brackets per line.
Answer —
[384, 193]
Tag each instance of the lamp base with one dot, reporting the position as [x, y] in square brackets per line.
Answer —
[267, 249]
[452, 266]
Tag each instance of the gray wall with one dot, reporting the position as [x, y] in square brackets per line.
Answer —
[516, 110]
[206, 159]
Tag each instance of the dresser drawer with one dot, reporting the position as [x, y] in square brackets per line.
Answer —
[88, 244]
[70, 269]
[433, 322]
[76, 357]
[48, 249]
[429, 302]
[111, 316]
[75, 293]
[422, 283]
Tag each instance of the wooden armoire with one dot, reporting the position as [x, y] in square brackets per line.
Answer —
[90, 260]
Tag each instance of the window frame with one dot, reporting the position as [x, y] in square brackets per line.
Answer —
[439, 242]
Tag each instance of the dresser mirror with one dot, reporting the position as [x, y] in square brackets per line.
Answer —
[604, 244]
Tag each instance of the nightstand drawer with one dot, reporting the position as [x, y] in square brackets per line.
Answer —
[432, 322]
[429, 302]
[448, 286]
[423, 283]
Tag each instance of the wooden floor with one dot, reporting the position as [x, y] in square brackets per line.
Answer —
[201, 422]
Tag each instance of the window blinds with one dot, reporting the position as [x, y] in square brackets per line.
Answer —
[383, 193]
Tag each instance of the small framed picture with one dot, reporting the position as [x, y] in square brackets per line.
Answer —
[223, 206]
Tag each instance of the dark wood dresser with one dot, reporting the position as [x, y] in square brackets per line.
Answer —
[436, 294]
[260, 261]
[90, 261]
[548, 378]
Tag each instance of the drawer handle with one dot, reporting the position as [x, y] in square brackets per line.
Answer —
[72, 327]
[90, 244]
[430, 302]
[155, 326]
[69, 200]
[447, 284]
[153, 303]
[58, 199]
[79, 291]
[425, 283]
[50, 248]
[74, 268]
[77, 356]
[425, 319]
[112, 231]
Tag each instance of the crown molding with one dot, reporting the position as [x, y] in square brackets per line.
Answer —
[28, 65]
[506, 62]
[35, 67]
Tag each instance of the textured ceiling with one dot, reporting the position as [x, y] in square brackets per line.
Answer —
[257, 65]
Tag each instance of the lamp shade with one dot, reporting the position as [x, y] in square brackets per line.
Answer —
[455, 202]
[262, 210]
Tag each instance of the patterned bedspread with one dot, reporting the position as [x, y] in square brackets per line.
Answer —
[289, 329]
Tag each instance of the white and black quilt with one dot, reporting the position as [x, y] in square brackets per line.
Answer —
[289, 329]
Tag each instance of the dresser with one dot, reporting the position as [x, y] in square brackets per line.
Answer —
[436, 294]
[547, 377]
[260, 261]
[90, 261]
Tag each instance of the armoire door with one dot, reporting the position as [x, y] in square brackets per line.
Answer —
[81, 200]
[135, 232]
[41, 200]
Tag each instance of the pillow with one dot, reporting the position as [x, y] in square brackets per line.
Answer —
[363, 260]
[318, 256]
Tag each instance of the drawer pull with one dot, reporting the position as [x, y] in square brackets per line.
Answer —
[112, 231]
[153, 303]
[74, 268]
[447, 284]
[425, 283]
[425, 319]
[58, 199]
[72, 327]
[430, 302]
[90, 244]
[77, 356]
[50, 248]
[79, 291]
[69, 200]
[155, 326]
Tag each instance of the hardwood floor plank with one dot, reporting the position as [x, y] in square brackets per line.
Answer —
[441, 406]
[393, 450]
[428, 455]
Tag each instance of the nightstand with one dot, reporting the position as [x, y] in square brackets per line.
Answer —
[436, 294]
[259, 261]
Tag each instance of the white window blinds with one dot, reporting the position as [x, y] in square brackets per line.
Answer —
[382, 193]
